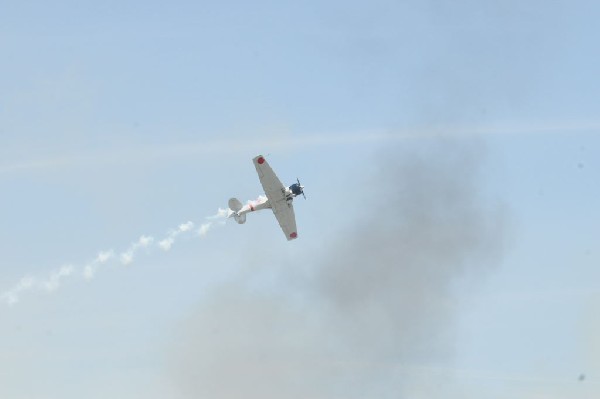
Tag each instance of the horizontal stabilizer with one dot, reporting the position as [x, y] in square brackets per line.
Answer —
[235, 204]
[241, 219]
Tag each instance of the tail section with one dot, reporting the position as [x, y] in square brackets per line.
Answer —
[235, 205]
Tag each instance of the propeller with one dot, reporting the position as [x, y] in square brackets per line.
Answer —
[301, 187]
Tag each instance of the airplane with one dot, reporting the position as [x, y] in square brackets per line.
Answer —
[277, 197]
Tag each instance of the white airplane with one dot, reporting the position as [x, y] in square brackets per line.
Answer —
[278, 197]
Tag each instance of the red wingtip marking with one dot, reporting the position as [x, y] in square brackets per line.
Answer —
[294, 235]
[260, 160]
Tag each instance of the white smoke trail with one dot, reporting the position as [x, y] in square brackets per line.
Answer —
[53, 282]
[221, 214]
[166, 244]
[89, 270]
[143, 242]
[203, 230]
[12, 296]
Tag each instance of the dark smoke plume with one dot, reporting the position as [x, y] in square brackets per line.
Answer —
[374, 305]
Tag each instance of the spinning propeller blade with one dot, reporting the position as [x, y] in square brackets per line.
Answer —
[301, 188]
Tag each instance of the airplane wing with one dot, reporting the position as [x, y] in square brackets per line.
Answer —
[275, 192]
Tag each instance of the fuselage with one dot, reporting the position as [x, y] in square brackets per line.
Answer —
[262, 202]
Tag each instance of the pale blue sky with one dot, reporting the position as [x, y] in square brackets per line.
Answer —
[122, 119]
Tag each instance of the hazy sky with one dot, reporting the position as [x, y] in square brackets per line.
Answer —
[448, 247]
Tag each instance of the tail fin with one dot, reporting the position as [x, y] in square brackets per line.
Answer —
[235, 205]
